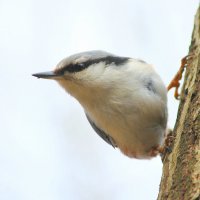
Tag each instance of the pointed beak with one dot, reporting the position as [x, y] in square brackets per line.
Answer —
[47, 75]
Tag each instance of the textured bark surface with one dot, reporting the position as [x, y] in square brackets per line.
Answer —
[181, 167]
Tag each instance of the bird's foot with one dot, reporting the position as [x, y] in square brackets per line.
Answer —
[165, 148]
[175, 81]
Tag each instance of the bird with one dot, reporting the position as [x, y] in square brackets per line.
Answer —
[124, 99]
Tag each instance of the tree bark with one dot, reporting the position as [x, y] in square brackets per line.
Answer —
[181, 168]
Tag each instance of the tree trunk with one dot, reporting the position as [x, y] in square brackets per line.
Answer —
[181, 167]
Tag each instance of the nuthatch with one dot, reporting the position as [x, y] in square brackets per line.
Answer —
[124, 99]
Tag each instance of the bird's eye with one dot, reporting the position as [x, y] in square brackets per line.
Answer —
[80, 66]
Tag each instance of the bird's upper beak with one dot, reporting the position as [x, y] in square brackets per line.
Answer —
[47, 75]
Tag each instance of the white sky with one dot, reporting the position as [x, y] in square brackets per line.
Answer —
[48, 151]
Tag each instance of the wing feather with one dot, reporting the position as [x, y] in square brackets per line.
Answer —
[101, 133]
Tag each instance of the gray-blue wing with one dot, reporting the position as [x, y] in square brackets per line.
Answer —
[101, 133]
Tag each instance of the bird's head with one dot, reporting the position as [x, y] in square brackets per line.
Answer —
[83, 70]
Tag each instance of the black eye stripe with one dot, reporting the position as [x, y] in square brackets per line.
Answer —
[72, 68]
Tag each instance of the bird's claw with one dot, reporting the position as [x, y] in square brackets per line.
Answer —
[175, 81]
[165, 148]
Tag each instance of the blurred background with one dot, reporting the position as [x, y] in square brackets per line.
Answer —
[48, 151]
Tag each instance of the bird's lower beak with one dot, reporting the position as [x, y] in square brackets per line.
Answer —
[47, 75]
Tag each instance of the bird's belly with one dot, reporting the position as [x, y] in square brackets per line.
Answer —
[132, 138]
[140, 147]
